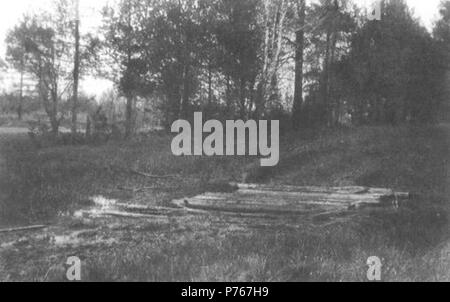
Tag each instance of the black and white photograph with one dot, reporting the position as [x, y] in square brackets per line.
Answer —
[225, 142]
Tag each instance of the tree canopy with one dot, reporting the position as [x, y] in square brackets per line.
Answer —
[319, 64]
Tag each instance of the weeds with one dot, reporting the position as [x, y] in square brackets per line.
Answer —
[412, 241]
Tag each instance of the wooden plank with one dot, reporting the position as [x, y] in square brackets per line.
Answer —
[258, 204]
[20, 229]
[264, 201]
[288, 198]
[150, 210]
[251, 198]
[304, 189]
[242, 209]
[121, 214]
[352, 190]
[237, 213]
[313, 197]
[152, 176]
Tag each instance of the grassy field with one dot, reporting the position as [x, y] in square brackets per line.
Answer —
[42, 185]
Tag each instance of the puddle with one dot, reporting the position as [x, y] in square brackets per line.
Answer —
[104, 203]
[104, 207]
[61, 241]
[101, 206]
[81, 238]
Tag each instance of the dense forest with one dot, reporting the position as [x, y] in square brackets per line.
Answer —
[308, 64]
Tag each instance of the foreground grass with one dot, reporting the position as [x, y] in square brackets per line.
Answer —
[412, 242]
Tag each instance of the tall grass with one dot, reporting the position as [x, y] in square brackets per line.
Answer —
[412, 241]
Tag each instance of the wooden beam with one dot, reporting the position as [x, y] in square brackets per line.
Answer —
[285, 200]
[20, 229]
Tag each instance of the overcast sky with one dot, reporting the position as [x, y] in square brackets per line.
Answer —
[12, 10]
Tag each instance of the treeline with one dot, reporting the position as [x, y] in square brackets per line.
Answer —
[379, 72]
[319, 64]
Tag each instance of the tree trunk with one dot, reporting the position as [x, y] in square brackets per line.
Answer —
[299, 53]
[129, 127]
[242, 99]
[54, 121]
[260, 95]
[184, 108]
[278, 46]
[331, 54]
[325, 80]
[230, 107]
[332, 101]
[76, 70]
[20, 105]
[210, 88]
[260, 90]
